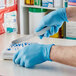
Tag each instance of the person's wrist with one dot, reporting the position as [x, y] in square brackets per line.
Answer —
[55, 53]
[48, 51]
[51, 53]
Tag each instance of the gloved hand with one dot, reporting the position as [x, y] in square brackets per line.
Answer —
[33, 54]
[55, 20]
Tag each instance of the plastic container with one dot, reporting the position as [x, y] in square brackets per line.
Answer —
[35, 16]
[61, 31]
[32, 2]
[65, 3]
[71, 26]
[55, 35]
[28, 2]
[38, 2]
[10, 22]
[58, 3]
[71, 30]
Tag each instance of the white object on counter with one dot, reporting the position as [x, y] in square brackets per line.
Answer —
[8, 68]
[9, 52]
[19, 40]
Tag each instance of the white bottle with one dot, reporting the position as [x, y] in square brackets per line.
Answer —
[58, 3]
[35, 17]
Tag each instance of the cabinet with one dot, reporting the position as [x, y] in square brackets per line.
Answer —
[24, 16]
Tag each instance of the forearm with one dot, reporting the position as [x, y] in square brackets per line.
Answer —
[64, 54]
[71, 13]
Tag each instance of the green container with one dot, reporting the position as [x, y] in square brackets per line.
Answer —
[66, 4]
[38, 10]
[38, 2]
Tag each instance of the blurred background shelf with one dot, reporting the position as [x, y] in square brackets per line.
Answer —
[31, 14]
[33, 6]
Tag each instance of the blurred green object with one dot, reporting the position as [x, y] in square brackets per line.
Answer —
[66, 4]
[38, 2]
[37, 10]
[71, 38]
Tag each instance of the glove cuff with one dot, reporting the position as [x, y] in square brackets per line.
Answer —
[48, 50]
[62, 14]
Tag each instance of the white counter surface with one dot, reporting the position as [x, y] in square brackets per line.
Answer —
[8, 68]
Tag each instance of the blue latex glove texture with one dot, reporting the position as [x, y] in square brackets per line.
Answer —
[54, 20]
[32, 54]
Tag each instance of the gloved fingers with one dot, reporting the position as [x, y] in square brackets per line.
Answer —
[15, 56]
[41, 36]
[52, 30]
[40, 27]
[47, 33]
[28, 64]
[56, 29]
[60, 25]
[17, 60]
[22, 61]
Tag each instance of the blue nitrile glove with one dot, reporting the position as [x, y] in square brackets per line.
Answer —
[55, 20]
[33, 54]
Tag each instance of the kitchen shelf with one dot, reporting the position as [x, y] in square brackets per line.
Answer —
[33, 6]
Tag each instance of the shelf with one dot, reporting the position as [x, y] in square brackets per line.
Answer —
[33, 6]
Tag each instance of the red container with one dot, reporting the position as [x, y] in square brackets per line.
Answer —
[6, 10]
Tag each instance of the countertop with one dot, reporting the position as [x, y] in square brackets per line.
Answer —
[8, 68]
